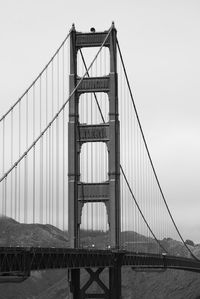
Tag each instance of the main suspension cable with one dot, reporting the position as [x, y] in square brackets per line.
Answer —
[40, 74]
[149, 156]
[58, 113]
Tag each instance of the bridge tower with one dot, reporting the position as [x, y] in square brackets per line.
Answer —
[109, 191]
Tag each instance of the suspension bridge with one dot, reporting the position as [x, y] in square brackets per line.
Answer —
[74, 155]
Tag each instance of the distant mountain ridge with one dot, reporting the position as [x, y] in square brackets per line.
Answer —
[13, 233]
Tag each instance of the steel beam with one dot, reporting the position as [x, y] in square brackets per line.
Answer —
[115, 282]
[94, 39]
[74, 283]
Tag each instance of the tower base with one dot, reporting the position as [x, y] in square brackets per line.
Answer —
[110, 290]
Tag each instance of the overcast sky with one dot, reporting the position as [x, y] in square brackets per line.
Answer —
[160, 41]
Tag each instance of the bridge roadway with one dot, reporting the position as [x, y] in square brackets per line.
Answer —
[18, 262]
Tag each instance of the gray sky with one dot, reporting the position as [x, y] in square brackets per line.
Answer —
[160, 41]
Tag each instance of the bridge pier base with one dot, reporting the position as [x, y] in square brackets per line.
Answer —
[115, 282]
[74, 283]
[110, 291]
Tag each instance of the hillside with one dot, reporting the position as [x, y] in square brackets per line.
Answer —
[13, 233]
[52, 284]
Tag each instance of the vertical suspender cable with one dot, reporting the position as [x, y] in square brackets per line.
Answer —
[47, 152]
[41, 154]
[19, 168]
[133, 178]
[147, 198]
[15, 195]
[11, 163]
[134, 170]
[50, 189]
[141, 182]
[124, 149]
[3, 167]
[5, 194]
[63, 130]
[57, 147]
[34, 154]
[130, 207]
[52, 144]
[26, 165]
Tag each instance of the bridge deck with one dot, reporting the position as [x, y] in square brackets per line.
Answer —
[20, 261]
